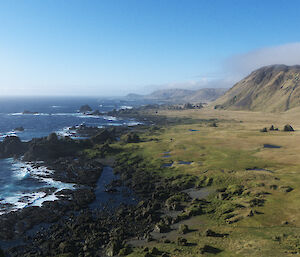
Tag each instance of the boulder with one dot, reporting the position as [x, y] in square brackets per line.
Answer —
[250, 213]
[264, 130]
[211, 233]
[181, 241]
[209, 249]
[288, 128]
[272, 128]
[286, 189]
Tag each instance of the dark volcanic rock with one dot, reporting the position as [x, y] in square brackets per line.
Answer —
[52, 148]
[52, 137]
[103, 137]
[81, 171]
[29, 112]
[264, 130]
[15, 224]
[288, 128]
[11, 147]
[85, 108]
[19, 129]
[131, 138]
[86, 233]
[86, 131]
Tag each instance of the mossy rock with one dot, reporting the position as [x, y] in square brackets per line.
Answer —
[155, 251]
[179, 197]
[222, 196]
[204, 181]
[125, 251]
[234, 189]
[256, 202]
[194, 210]
[225, 208]
[181, 241]
[182, 216]
[183, 229]
[174, 202]
[113, 248]
[185, 182]
[161, 227]
[286, 189]
[274, 187]
[131, 138]
[209, 249]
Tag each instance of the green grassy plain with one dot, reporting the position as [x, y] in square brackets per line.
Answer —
[233, 156]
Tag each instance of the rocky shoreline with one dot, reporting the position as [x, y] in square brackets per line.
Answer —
[106, 232]
[78, 231]
[63, 156]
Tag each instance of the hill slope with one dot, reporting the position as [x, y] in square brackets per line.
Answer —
[271, 88]
[182, 95]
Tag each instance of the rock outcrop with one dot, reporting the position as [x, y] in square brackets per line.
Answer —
[131, 138]
[29, 112]
[103, 136]
[19, 129]
[85, 108]
[51, 148]
[12, 146]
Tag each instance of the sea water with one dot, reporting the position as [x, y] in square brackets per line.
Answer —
[26, 184]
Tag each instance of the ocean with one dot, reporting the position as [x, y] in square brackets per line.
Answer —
[23, 184]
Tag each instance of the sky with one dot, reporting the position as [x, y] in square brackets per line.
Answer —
[115, 47]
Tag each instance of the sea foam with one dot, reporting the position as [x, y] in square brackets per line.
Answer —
[34, 197]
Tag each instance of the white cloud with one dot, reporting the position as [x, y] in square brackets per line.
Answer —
[237, 67]
[241, 65]
[192, 84]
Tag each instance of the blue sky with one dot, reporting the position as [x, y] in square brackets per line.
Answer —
[114, 47]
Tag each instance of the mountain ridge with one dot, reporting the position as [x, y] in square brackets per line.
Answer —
[273, 88]
[177, 95]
